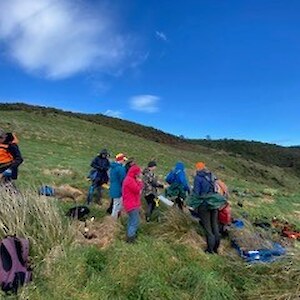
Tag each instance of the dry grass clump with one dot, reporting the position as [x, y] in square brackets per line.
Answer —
[36, 218]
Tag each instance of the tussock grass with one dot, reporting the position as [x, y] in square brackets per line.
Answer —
[36, 218]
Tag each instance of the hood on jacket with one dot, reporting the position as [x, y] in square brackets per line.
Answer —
[114, 164]
[203, 172]
[179, 166]
[134, 171]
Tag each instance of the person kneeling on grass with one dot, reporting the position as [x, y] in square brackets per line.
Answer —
[117, 175]
[131, 193]
[150, 188]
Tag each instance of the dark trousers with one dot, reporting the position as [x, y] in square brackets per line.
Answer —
[210, 223]
[95, 186]
[179, 203]
[150, 205]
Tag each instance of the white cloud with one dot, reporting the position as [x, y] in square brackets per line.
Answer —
[161, 36]
[113, 113]
[145, 103]
[58, 39]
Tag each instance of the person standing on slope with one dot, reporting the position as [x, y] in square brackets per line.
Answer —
[208, 201]
[178, 184]
[98, 175]
[117, 175]
[131, 193]
[150, 188]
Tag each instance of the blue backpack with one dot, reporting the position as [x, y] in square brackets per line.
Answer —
[171, 177]
[47, 190]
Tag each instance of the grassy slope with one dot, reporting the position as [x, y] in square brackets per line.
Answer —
[162, 268]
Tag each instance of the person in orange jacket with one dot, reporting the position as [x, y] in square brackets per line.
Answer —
[10, 156]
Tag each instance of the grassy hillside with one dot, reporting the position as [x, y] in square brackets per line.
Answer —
[168, 261]
[269, 154]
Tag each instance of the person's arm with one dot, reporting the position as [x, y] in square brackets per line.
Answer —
[135, 186]
[15, 152]
[197, 189]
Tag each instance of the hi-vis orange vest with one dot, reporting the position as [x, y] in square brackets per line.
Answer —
[5, 155]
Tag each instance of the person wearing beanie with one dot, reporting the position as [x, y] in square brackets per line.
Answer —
[131, 192]
[98, 175]
[117, 175]
[151, 185]
[204, 185]
[10, 156]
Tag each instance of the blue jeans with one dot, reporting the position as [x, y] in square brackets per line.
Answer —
[133, 222]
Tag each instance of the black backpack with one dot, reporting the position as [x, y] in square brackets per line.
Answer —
[78, 212]
[14, 268]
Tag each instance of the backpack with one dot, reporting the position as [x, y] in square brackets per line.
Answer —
[47, 191]
[171, 177]
[14, 269]
[78, 212]
[224, 215]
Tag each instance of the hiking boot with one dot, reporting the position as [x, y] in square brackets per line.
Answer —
[131, 239]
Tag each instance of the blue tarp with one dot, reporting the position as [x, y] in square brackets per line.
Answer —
[257, 255]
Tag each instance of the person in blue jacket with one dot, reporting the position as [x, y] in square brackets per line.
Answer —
[98, 175]
[117, 175]
[204, 185]
[178, 184]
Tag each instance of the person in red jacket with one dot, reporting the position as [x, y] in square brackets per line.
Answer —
[131, 193]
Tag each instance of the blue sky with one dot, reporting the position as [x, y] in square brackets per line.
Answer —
[228, 69]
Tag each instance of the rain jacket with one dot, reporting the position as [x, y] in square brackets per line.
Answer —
[10, 155]
[132, 189]
[116, 175]
[150, 182]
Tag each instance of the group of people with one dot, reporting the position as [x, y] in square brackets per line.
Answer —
[128, 184]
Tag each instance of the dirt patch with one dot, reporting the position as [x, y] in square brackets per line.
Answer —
[267, 199]
[58, 172]
[68, 192]
[99, 234]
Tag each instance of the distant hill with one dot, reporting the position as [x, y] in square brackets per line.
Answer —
[268, 154]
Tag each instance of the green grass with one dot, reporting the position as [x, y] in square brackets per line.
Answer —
[165, 263]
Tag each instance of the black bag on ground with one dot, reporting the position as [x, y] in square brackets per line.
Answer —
[78, 212]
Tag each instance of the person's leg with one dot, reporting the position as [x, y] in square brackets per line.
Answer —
[90, 194]
[150, 206]
[99, 194]
[117, 205]
[132, 225]
[205, 218]
[179, 203]
[215, 228]
[110, 208]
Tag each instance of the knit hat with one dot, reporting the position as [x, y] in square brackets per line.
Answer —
[120, 157]
[200, 165]
[151, 164]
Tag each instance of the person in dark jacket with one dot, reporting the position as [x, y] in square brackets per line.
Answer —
[151, 185]
[204, 185]
[178, 184]
[10, 156]
[98, 175]
[117, 175]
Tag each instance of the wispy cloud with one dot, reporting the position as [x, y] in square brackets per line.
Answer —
[161, 36]
[58, 39]
[113, 113]
[145, 103]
